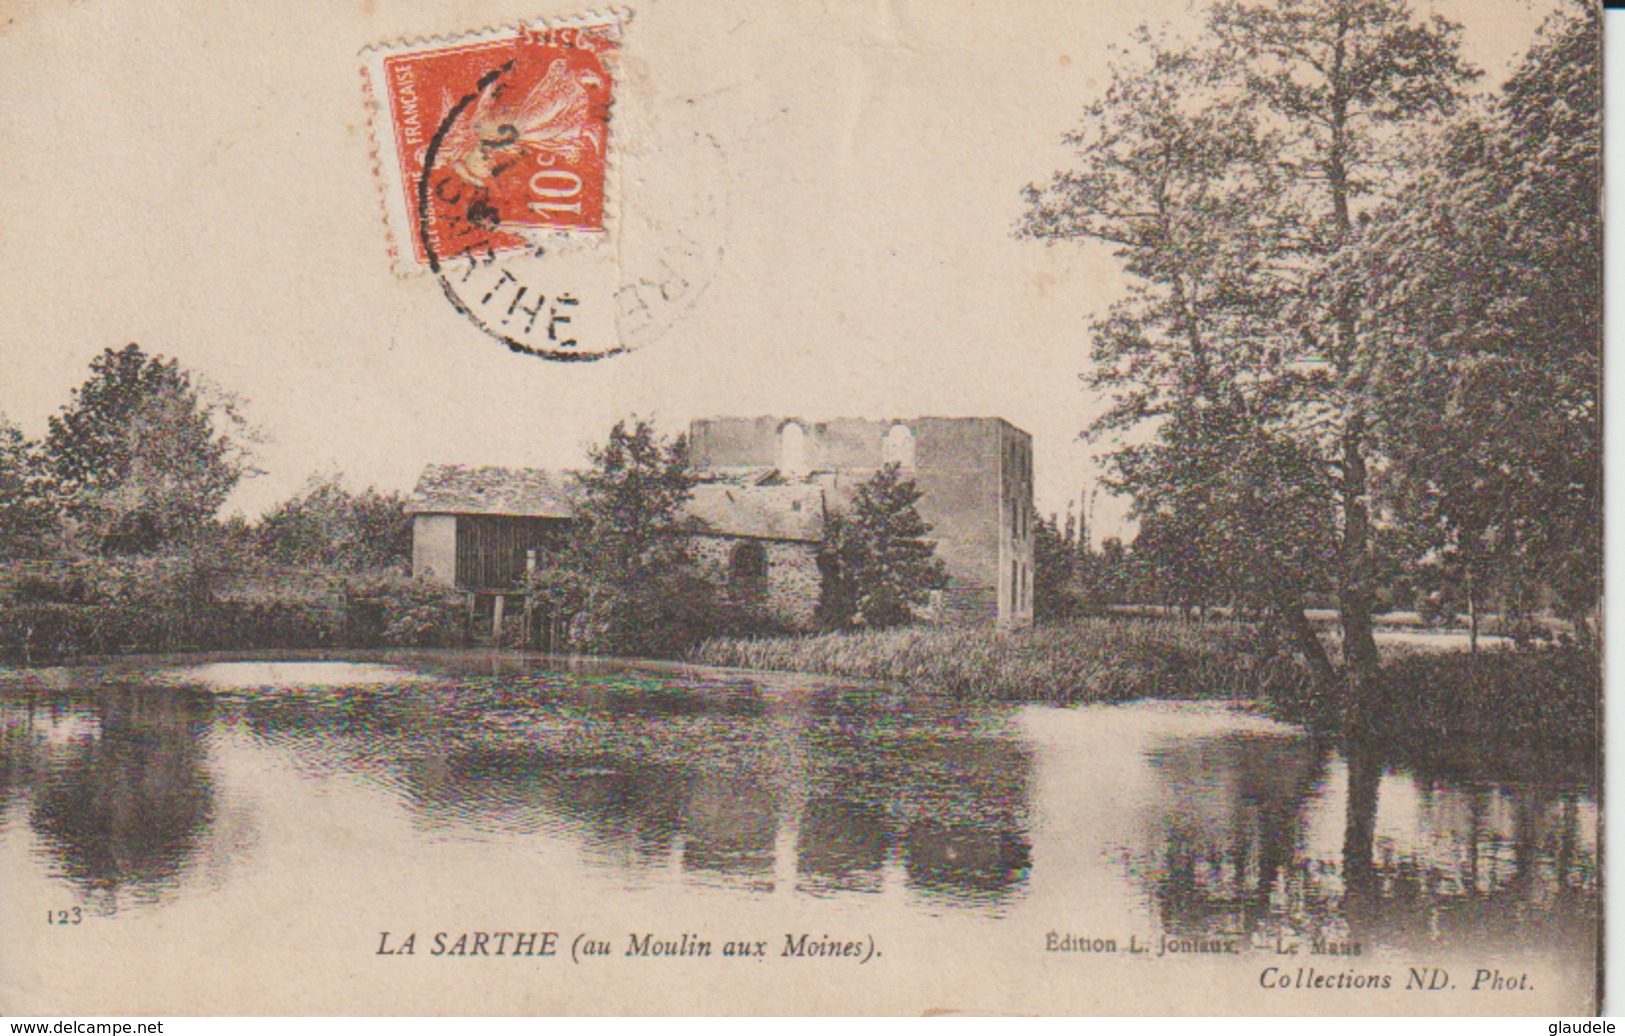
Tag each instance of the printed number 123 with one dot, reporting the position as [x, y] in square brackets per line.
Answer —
[70, 916]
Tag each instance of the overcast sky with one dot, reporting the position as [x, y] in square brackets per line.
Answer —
[200, 181]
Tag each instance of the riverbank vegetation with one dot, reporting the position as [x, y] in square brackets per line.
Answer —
[1090, 660]
[65, 610]
[112, 543]
[1525, 700]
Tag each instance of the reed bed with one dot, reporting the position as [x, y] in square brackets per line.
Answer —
[1089, 660]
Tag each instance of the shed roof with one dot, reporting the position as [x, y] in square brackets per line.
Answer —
[782, 512]
[519, 492]
[742, 476]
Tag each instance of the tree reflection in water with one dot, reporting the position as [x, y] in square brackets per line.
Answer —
[1242, 827]
[1422, 861]
[126, 809]
[19, 752]
[1231, 828]
[1489, 866]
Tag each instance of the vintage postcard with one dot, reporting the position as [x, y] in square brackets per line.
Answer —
[788, 507]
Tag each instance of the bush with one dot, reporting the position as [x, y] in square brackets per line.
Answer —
[167, 604]
[331, 526]
[106, 607]
[419, 614]
[660, 615]
[273, 624]
[1522, 694]
[68, 589]
[48, 631]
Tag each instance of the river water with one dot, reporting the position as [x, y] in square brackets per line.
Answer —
[219, 836]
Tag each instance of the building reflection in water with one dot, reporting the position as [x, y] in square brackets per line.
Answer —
[842, 845]
[1283, 837]
[826, 794]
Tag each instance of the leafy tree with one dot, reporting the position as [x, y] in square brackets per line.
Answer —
[1485, 284]
[142, 455]
[1055, 565]
[1228, 179]
[626, 576]
[881, 567]
[1191, 199]
[28, 520]
[1111, 578]
[328, 525]
[1338, 74]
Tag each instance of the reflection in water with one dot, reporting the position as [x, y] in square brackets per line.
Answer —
[842, 845]
[731, 822]
[730, 785]
[1210, 827]
[123, 809]
[1495, 867]
[1278, 837]
[1229, 827]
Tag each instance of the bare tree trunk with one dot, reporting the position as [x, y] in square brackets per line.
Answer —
[1360, 659]
[1472, 616]
[1308, 643]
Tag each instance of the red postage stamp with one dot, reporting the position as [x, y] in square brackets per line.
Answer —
[493, 138]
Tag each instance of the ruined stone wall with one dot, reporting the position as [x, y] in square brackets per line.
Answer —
[975, 482]
[794, 584]
[1016, 519]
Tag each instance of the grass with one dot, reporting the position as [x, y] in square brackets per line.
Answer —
[1448, 710]
[1088, 660]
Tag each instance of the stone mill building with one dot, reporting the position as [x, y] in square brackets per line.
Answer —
[757, 516]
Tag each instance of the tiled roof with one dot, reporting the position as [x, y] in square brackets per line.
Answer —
[783, 512]
[793, 512]
[520, 492]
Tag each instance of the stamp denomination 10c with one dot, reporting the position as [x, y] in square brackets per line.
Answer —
[494, 151]
[499, 137]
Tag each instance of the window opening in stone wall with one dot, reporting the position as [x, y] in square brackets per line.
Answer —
[899, 446]
[793, 449]
[747, 570]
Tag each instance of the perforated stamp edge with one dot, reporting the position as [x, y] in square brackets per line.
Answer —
[388, 169]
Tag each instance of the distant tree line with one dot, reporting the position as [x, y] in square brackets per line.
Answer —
[140, 460]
